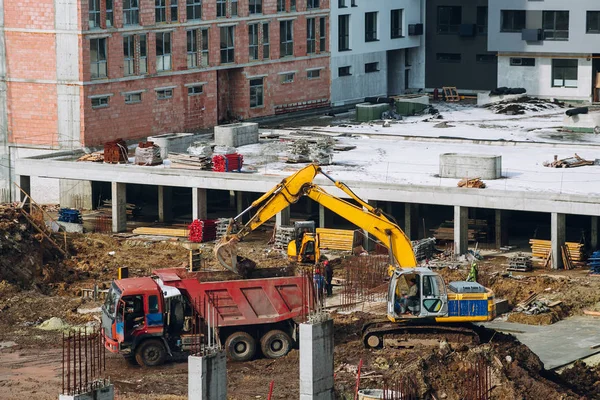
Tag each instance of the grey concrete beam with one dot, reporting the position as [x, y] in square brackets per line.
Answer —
[119, 206]
[316, 361]
[199, 204]
[165, 204]
[207, 377]
[501, 228]
[461, 230]
[283, 217]
[411, 219]
[558, 227]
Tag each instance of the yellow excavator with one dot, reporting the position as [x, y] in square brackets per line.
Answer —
[418, 300]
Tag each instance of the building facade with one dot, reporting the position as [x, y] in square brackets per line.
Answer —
[551, 47]
[377, 48]
[457, 45]
[83, 72]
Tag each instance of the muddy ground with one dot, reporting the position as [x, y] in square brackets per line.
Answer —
[37, 283]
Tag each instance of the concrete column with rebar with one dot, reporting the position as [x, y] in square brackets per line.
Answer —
[106, 392]
[199, 205]
[165, 203]
[558, 228]
[207, 376]
[119, 206]
[316, 360]
[461, 230]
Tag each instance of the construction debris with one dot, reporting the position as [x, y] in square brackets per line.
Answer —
[222, 224]
[520, 262]
[319, 151]
[471, 183]
[147, 154]
[424, 248]
[570, 162]
[92, 157]
[284, 235]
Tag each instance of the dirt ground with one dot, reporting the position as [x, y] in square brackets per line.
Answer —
[37, 283]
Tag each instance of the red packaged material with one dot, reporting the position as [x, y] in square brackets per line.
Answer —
[204, 230]
[227, 162]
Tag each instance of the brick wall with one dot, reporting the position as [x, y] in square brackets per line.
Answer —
[30, 56]
[29, 14]
[32, 116]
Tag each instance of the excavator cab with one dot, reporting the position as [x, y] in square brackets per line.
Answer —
[429, 300]
[305, 248]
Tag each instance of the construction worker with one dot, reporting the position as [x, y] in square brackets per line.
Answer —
[473, 273]
[319, 283]
[328, 278]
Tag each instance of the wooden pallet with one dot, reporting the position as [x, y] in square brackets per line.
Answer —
[450, 93]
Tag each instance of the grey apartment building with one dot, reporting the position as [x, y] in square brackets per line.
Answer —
[457, 45]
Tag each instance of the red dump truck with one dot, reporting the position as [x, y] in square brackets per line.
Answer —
[150, 319]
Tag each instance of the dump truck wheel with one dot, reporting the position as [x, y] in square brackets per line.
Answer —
[240, 346]
[151, 353]
[275, 344]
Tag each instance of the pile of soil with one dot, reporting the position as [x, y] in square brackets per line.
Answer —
[523, 104]
[583, 379]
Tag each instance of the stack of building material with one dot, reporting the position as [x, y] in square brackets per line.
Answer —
[569, 162]
[284, 235]
[147, 154]
[471, 183]
[179, 160]
[322, 151]
[160, 231]
[131, 209]
[227, 162]
[594, 262]
[92, 157]
[204, 230]
[70, 215]
[336, 239]
[520, 262]
[541, 249]
[477, 231]
[424, 248]
[115, 152]
[298, 151]
[221, 227]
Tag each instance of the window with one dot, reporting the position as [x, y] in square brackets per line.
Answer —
[313, 73]
[449, 19]
[292, 5]
[370, 26]
[396, 23]
[163, 51]
[266, 46]
[592, 22]
[482, 17]
[485, 58]
[448, 57]
[98, 58]
[192, 48]
[344, 71]
[132, 98]
[312, 4]
[234, 8]
[371, 67]
[342, 4]
[160, 10]
[311, 39]
[288, 77]
[343, 32]
[227, 44]
[174, 11]
[152, 304]
[286, 37]
[256, 93]
[94, 13]
[564, 73]
[204, 52]
[193, 9]
[221, 8]
[195, 90]
[109, 13]
[131, 12]
[512, 20]
[280, 5]
[253, 41]
[100, 102]
[255, 6]
[143, 55]
[162, 94]
[353, 3]
[522, 62]
[322, 34]
[128, 55]
[556, 25]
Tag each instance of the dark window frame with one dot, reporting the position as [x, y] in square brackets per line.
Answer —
[286, 38]
[99, 64]
[449, 19]
[344, 71]
[227, 46]
[100, 102]
[485, 58]
[164, 52]
[128, 55]
[523, 62]
[553, 26]
[396, 23]
[311, 35]
[512, 20]
[564, 72]
[595, 15]
[160, 11]
[253, 42]
[193, 10]
[131, 12]
[344, 32]
[371, 67]
[255, 7]
[94, 14]
[257, 92]
[482, 20]
[371, 26]
[454, 58]
[192, 48]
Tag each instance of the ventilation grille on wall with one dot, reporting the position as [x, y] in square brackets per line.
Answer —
[415, 29]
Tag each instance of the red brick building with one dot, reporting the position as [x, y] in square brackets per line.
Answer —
[83, 72]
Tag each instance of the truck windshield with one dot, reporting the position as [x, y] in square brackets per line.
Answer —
[112, 298]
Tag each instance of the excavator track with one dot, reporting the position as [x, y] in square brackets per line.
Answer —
[379, 334]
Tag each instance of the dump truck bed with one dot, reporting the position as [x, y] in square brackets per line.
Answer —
[246, 302]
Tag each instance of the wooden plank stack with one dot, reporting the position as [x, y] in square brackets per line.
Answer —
[227, 162]
[160, 231]
[179, 160]
[336, 239]
[541, 249]
[471, 183]
[477, 231]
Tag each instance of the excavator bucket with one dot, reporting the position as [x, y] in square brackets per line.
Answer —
[226, 253]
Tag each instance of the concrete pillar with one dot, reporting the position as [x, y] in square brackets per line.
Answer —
[106, 392]
[411, 220]
[119, 206]
[316, 360]
[165, 203]
[558, 228]
[594, 233]
[282, 217]
[321, 216]
[239, 201]
[199, 208]
[207, 376]
[501, 228]
[461, 230]
[232, 199]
